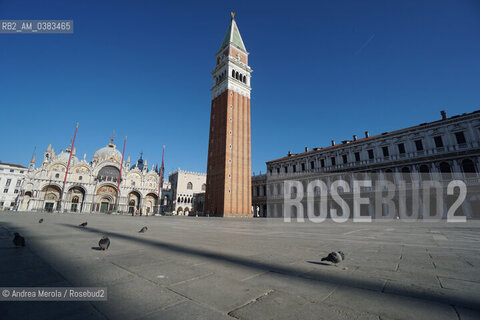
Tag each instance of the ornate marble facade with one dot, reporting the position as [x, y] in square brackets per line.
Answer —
[92, 186]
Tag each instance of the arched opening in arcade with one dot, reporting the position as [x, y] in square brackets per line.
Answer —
[445, 171]
[105, 199]
[468, 168]
[150, 203]
[51, 197]
[134, 202]
[26, 200]
[76, 195]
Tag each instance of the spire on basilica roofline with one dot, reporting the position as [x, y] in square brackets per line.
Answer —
[49, 154]
[233, 36]
[32, 162]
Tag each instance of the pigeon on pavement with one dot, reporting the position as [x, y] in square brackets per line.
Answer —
[143, 230]
[83, 224]
[335, 257]
[40, 221]
[104, 243]
[18, 240]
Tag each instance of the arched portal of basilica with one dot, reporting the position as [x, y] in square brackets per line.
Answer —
[105, 199]
[50, 195]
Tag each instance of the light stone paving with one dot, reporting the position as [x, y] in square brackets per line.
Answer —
[213, 268]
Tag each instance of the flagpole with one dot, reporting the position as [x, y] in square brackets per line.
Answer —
[160, 181]
[68, 166]
[120, 173]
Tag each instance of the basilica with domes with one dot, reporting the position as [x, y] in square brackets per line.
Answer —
[93, 186]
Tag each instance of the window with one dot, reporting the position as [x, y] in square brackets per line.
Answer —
[204, 187]
[357, 156]
[333, 160]
[19, 183]
[438, 142]
[344, 158]
[401, 148]
[57, 175]
[11, 170]
[286, 169]
[303, 166]
[8, 182]
[189, 186]
[386, 152]
[21, 171]
[278, 170]
[16, 191]
[322, 163]
[460, 137]
[419, 145]
[80, 178]
[312, 165]
[370, 154]
[5, 190]
[294, 168]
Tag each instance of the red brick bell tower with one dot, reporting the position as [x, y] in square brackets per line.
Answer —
[229, 148]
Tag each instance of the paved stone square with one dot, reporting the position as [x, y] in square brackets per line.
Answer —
[214, 268]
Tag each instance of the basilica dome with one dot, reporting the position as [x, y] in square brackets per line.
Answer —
[64, 155]
[109, 152]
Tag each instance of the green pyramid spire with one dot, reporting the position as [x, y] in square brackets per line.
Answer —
[233, 36]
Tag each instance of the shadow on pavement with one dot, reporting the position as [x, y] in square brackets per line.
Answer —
[355, 282]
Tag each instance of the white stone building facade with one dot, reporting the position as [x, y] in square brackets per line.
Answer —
[185, 186]
[91, 187]
[11, 181]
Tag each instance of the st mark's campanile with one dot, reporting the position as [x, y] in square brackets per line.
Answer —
[229, 148]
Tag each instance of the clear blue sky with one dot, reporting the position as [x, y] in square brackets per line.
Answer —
[322, 70]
